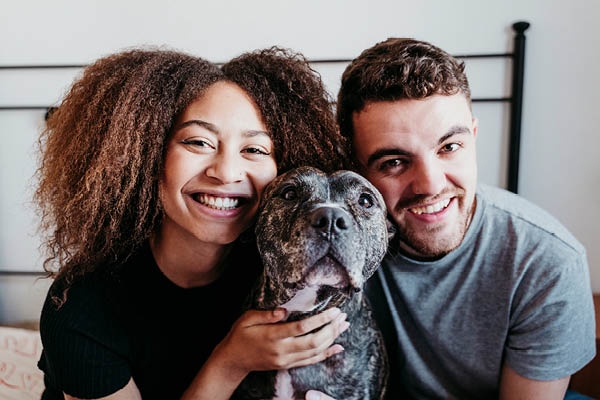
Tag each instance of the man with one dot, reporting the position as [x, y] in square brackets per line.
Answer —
[482, 294]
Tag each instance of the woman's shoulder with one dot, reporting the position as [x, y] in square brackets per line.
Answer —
[85, 308]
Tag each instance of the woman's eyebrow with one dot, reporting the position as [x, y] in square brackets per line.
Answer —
[253, 133]
[206, 125]
[214, 129]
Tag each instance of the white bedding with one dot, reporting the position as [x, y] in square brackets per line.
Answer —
[20, 378]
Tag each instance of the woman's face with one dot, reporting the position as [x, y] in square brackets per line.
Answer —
[219, 159]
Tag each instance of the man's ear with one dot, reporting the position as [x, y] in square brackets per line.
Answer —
[475, 126]
[391, 229]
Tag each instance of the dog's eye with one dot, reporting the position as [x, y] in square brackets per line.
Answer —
[365, 200]
[289, 193]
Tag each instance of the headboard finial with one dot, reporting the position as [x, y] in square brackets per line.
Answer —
[520, 26]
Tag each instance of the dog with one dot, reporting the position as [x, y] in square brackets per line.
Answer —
[320, 238]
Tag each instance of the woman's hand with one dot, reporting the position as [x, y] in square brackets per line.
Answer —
[258, 341]
[316, 395]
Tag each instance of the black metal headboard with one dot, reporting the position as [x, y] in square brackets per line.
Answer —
[515, 100]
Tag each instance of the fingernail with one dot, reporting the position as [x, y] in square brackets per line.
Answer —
[345, 326]
[339, 349]
[279, 312]
[334, 311]
[311, 395]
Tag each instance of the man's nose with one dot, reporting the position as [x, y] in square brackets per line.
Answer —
[429, 177]
[226, 167]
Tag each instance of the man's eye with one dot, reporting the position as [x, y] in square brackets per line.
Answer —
[450, 147]
[391, 164]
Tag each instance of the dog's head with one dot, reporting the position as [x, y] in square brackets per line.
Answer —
[319, 236]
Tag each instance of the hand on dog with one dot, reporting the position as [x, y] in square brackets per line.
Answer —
[256, 342]
[316, 395]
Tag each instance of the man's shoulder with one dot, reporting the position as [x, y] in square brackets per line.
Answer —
[525, 217]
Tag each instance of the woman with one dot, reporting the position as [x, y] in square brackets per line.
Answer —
[151, 175]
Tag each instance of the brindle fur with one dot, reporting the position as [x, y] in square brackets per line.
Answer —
[290, 246]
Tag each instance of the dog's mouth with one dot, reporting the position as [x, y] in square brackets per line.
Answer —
[331, 276]
[326, 280]
[219, 202]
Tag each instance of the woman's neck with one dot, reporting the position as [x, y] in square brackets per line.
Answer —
[187, 263]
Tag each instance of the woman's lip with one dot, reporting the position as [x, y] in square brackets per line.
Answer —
[220, 213]
[218, 194]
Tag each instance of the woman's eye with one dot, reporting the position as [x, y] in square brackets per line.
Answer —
[256, 150]
[450, 147]
[365, 200]
[289, 194]
[196, 142]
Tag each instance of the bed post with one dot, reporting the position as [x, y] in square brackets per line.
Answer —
[516, 105]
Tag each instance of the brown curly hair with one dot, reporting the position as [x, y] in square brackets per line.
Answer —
[103, 148]
[102, 154]
[398, 69]
[295, 108]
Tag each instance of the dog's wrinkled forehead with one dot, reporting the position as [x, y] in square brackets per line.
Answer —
[345, 182]
[308, 182]
[304, 177]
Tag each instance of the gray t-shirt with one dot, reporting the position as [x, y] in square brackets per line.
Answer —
[516, 290]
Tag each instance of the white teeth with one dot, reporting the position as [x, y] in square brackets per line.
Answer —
[220, 203]
[432, 208]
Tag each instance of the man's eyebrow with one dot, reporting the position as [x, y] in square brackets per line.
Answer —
[214, 129]
[455, 130]
[386, 152]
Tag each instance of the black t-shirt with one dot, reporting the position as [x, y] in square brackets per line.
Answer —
[139, 324]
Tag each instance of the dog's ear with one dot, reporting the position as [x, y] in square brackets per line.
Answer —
[391, 229]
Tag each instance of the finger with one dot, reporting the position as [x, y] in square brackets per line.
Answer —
[257, 317]
[316, 395]
[321, 339]
[306, 325]
[335, 349]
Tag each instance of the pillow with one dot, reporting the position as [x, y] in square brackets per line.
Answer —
[20, 378]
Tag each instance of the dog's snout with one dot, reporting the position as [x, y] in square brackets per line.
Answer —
[330, 219]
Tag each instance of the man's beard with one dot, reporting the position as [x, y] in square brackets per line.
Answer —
[425, 245]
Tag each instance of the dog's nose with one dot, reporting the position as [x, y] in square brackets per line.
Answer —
[330, 219]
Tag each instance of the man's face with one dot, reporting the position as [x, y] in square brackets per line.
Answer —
[420, 154]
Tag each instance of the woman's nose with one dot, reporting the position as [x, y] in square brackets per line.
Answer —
[226, 167]
[429, 177]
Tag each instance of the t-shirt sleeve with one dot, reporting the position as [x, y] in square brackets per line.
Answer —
[552, 329]
[85, 349]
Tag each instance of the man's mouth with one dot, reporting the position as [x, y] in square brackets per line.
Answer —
[431, 209]
[218, 202]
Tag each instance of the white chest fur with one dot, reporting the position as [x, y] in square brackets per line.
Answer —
[283, 386]
[305, 300]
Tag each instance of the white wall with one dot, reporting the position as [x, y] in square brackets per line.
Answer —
[559, 170]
